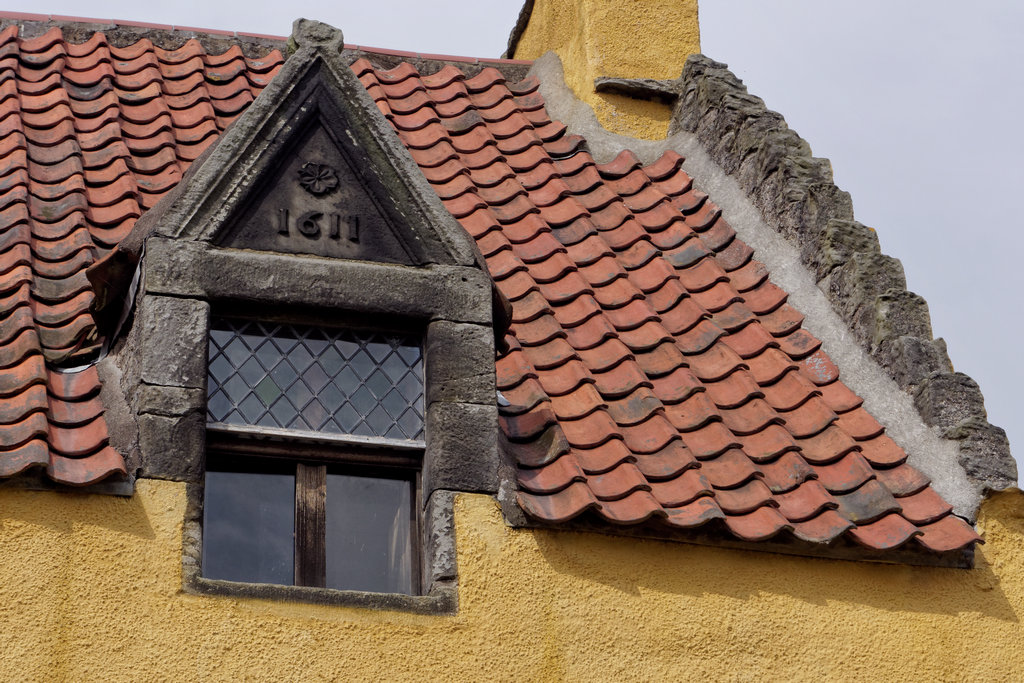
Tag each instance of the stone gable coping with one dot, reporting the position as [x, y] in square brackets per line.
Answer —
[796, 195]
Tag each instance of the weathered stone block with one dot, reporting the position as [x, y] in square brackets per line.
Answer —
[174, 341]
[985, 454]
[823, 202]
[911, 359]
[456, 293]
[462, 452]
[861, 280]
[439, 557]
[170, 401]
[459, 363]
[172, 447]
[948, 399]
[899, 313]
[840, 240]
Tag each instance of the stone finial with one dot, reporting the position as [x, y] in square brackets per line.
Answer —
[310, 32]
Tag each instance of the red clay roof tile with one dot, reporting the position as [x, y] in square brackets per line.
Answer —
[93, 122]
[655, 371]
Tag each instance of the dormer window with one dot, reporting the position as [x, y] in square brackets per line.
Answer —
[323, 449]
[315, 445]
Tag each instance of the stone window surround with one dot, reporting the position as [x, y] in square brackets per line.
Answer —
[183, 279]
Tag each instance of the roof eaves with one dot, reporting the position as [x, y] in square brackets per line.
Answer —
[512, 69]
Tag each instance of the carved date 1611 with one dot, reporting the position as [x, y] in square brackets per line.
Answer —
[314, 224]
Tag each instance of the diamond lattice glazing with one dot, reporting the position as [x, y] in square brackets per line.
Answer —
[310, 379]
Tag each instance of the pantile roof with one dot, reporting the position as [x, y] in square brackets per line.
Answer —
[91, 136]
[654, 374]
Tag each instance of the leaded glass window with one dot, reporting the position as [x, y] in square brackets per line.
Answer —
[296, 508]
[315, 380]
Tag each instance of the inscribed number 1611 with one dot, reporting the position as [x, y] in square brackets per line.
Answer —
[309, 224]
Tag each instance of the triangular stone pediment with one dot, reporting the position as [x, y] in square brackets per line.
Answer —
[317, 197]
[312, 167]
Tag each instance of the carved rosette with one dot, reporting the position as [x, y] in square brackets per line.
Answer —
[317, 179]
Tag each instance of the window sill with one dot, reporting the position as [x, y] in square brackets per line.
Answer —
[441, 600]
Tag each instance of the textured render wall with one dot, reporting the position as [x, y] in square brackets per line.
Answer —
[90, 589]
[597, 38]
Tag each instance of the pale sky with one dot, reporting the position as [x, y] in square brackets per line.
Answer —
[917, 105]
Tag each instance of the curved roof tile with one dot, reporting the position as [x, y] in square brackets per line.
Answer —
[655, 373]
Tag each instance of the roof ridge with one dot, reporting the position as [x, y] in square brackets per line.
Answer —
[77, 30]
[166, 35]
[796, 195]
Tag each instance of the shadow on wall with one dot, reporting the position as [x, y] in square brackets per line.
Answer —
[67, 511]
[640, 568]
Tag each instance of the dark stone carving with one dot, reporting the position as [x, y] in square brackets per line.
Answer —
[317, 179]
[325, 207]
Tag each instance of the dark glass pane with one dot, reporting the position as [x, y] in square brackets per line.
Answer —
[369, 534]
[362, 364]
[283, 411]
[219, 406]
[220, 337]
[220, 369]
[332, 398]
[379, 351]
[267, 390]
[331, 361]
[411, 387]
[395, 367]
[236, 389]
[363, 401]
[347, 418]
[248, 525]
[379, 384]
[379, 420]
[410, 354]
[348, 348]
[394, 403]
[300, 357]
[252, 409]
[410, 422]
[315, 378]
[284, 374]
[300, 394]
[308, 379]
[314, 414]
[237, 352]
[268, 355]
[316, 341]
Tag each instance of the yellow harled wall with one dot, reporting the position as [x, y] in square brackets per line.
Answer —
[90, 589]
[620, 38]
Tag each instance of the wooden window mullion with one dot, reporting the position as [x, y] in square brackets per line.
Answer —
[310, 525]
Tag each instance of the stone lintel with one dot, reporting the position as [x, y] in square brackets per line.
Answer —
[196, 269]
